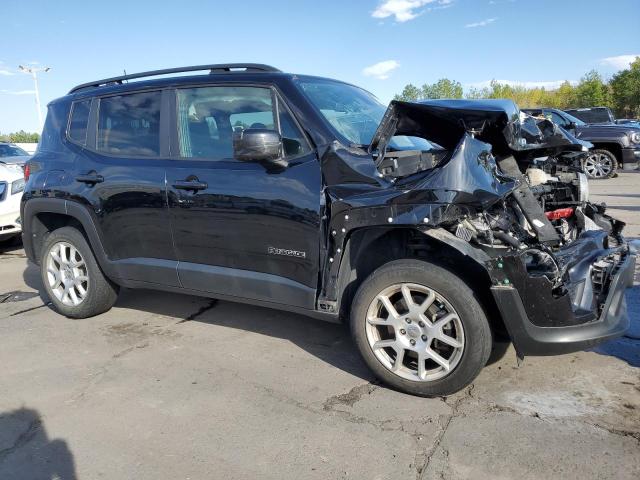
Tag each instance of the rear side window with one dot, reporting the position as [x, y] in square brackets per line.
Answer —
[130, 124]
[78, 122]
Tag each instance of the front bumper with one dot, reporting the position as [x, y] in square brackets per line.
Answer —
[531, 339]
[9, 224]
[630, 158]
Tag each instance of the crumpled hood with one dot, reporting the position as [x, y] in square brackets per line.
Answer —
[497, 122]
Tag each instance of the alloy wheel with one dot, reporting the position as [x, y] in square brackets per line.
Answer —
[67, 274]
[598, 165]
[415, 332]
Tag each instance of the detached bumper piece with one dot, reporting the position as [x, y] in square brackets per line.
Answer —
[587, 307]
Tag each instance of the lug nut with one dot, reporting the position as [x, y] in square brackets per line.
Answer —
[412, 341]
[424, 338]
[408, 320]
[421, 323]
[402, 331]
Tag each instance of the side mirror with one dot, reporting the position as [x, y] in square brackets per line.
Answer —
[257, 145]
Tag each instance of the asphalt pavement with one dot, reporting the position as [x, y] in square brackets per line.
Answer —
[168, 386]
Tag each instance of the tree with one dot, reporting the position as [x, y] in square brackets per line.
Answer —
[625, 91]
[592, 91]
[443, 88]
[410, 93]
[20, 137]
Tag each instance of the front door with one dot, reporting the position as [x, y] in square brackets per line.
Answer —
[243, 229]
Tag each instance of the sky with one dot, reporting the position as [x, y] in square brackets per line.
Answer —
[381, 45]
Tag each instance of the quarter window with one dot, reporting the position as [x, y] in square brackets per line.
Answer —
[130, 124]
[209, 116]
[79, 120]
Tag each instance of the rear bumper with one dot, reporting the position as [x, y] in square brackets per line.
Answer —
[630, 158]
[530, 339]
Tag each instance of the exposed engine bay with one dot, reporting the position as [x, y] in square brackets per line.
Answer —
[510, 186]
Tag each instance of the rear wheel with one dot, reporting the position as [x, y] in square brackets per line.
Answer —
[420, 328]
[71, 276]
[600, 164]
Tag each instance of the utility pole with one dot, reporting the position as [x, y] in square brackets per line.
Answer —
[33, 71]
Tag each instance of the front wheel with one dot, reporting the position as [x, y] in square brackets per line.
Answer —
[420, 329]
[600, 164]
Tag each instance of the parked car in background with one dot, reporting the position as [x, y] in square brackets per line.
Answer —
[629, 122]
[11, 188]
[614, 146]
[10, 153]
[593, 115]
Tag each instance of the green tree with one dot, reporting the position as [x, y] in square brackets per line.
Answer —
[410, 93]
[625, 91]
[443, 88]
[592, 91]
[20, 137]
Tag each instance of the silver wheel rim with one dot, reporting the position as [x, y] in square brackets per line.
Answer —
[598, 165]
[67, 274]
[415, 332]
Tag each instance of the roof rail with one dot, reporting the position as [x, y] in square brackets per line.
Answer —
[215, 68]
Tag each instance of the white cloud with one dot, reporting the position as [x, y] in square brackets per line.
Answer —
[482, 23]
[381, 70]
[17, 92]
[621, 62]
[548, 85]
[6, 72]
[405, 10]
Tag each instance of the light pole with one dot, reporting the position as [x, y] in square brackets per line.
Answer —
[34, 71]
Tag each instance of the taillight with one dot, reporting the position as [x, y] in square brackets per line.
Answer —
[27, 171]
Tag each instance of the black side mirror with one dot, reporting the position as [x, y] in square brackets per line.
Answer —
[257, 145]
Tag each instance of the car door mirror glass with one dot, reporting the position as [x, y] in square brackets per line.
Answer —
[257, 145]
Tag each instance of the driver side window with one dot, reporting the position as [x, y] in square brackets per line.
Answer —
[208, 117]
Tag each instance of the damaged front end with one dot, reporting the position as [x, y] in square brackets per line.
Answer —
[505, 190]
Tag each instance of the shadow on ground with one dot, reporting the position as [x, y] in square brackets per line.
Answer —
[329, 342]
[27, 452]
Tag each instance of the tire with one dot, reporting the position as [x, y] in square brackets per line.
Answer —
[600, 164]
[75, 271]
[425, 282]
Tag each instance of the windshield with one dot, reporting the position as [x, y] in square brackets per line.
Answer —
[592, 115]
[12, 151]
[354, 113]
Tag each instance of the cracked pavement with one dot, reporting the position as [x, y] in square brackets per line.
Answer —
[174, 386]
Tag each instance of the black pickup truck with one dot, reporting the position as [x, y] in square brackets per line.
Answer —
[614, 146]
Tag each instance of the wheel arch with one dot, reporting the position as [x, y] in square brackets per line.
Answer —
[369, 248]
[42, 216]
[613, 147]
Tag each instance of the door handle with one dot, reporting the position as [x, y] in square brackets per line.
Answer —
[194, 185]
[90, 178]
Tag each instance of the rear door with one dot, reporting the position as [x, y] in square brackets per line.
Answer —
[120, 175]
[245, 229]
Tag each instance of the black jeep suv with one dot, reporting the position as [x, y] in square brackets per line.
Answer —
[415, 223]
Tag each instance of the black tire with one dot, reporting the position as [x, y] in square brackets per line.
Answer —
[477, 333]
[593, 174]
[101, 293]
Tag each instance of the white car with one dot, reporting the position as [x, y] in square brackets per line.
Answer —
[11, 188]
